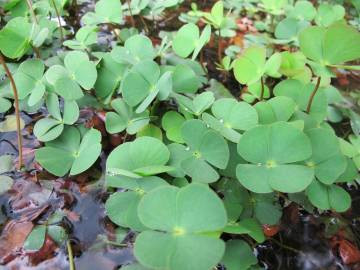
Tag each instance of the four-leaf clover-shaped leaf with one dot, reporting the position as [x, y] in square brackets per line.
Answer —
[51, 127]
[70, 152]
[328, 197]
[302, 10]
[144, 83]
[279, 108]
[238, 255]
[15, 37]
[124, 118]
[179, 218]
[121, 207]
[198, 105]
[136, 49]
[330, 46]
[300, 94]
[78, 71]
[327, 160]
[229, 116]
[28, 79]
[328, 14]
[252, 65]
[171, 123]
[188, 40]
[272, 151]
[205, 147]
[145, 156]
[84, 37]
[106, 11]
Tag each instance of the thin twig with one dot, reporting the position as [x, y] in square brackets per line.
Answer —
[308, 108]
[37, 52]
[219, 47]
[131, 15]
[17, 111]
[262, 89]
[286, 246]
[144, 24]
[29, 3]
[112, 243]
[70, 255]
[202, 62]
[59, 21]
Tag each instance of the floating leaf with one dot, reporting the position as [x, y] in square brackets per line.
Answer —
[150, 130]
[216, 15]
[249, 68]
[300, 94]
[328, 197]
[124, 118]
[36, 238]
[106, 11]
[28, 80]
[49, 128]
[68, 153]
[303, 10]
[190, 216]
[143, 84]
[110, 74]
[9, 124]
[121, 207]
[289, 28]
[15, 37]
[327, 160]
[328, 14]
[136, 49]
[185, 80]
[198, 105]
[57, 233]
[279, 108]
[6, 163]
[271, 150]
[247, 226]
[6, 183]
[84, 37]
[231, 115]
[334, 45]
[172, 122]
[188, 40]
[78, 71]
[274, 6]
[138, 159]
[198, 156]
[238, 255]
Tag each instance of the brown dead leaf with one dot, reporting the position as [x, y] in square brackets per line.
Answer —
[270, 230]
[45, 253]
[12, 239]
[349, 253]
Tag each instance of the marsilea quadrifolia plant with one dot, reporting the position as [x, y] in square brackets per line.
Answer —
[197, 165]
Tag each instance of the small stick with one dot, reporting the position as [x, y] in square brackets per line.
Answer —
[219, 47]
[29, 3]
[144, 23]
[202, 62]
[17, 111]
[262, 89]
[70, 254]
[308, 108]
[37, 52]
[131, 15]
[59, 21]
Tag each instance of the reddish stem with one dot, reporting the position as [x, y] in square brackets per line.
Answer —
[308, 108]
[17, 111]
